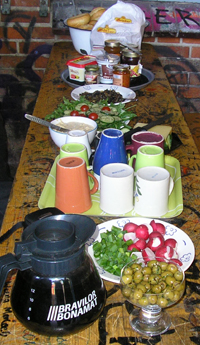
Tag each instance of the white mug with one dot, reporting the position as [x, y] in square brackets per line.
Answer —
[116, 191]
[153, 186]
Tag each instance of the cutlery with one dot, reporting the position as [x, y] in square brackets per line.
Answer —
[46, 123]
[127, 135]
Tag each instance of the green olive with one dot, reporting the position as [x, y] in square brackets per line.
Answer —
[137, 294]
[156, 269]
[127, 271]
[152, 263]
[176, 296]
[147, 285]
[136, 267]
[146, 277]
[146, 270]
[137, 277]
[162, 285]
[172, 268]
[162, 302]
[166, 274]
[153, 279]
[141, 287]
[169, 294]
[156, 289]
[143, 301]
[152, 299]
[163, 265]
[126, 291]
[170, 280]
[127, 279]
[178, 275]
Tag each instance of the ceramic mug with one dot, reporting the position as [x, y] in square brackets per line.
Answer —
[79, 136]
[73, 194]
[75, 150]
[148, 155]
[111, 149]
[152, 190]
[139, 139]
[116, 192]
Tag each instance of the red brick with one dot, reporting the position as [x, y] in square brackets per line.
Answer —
[194, 79]
[179, 50]
[177, 77]
[191, 40]
[25, 16]
[24, 3]
[148, 39]
[168, 40]
[42, 33]
[14, 34]
[10, 61]
[191, 92]
[11, 48]
[33, 45]
[195, 52]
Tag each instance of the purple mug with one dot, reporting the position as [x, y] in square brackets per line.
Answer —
[144, 138]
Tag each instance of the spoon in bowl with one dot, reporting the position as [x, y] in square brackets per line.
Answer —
[46, 123]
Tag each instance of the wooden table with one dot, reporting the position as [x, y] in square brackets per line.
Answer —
[38, 155]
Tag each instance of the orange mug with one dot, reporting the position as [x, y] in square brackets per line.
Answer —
[73, 194]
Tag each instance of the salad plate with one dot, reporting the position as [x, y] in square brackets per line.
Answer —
[185, 248]
[128, 94]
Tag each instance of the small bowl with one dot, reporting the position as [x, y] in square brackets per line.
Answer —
[81, 40]
[59, 138]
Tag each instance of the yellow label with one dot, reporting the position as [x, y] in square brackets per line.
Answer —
[123, 19]
[107, 30]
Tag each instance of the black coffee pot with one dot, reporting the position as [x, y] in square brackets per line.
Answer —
[57, 290]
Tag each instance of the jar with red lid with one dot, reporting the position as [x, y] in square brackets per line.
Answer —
[112, 47]
[132, 59]
[121, 75]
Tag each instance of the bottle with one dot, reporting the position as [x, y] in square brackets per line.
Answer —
[92, 74]
[121, 75]
[112, 47]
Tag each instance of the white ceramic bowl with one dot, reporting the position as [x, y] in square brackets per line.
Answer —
[81, 40]
[60, 138]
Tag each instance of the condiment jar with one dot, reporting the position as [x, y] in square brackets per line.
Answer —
[132, 59]
[92, 74]
[112, 47]
[106, 63]
[121, 75]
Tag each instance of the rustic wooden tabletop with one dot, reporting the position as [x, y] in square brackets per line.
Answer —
[39, 152]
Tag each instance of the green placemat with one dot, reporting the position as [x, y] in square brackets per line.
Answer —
[175, 206]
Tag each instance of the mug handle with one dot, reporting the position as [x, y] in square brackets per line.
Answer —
[171, 185]
[96, 183]
[130, 162]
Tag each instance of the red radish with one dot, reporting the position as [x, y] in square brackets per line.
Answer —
[142, 232]
[130, 227]
[158, 227]
[164, 252]
[171, 242]
[176, 261]
[129, 236]
[140, 244]
[133, 246]
[156, 240]
[148, 254]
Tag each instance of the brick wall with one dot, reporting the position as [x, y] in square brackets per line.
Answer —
[26, 39]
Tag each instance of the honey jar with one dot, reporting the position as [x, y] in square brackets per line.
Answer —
[112, 47]
[132, 59]
[92, 74]
[121, 75]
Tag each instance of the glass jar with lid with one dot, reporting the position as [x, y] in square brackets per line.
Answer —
[132, 59]
[121, 75]
[106, 63]
[92, 74]
[112, 47]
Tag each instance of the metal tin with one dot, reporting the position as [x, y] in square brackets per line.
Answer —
[121, 75]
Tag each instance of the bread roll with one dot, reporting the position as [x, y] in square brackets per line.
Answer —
[80, 19]
[86, 26]
[96, 13]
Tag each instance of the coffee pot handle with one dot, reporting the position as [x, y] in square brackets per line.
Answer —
[9, 262]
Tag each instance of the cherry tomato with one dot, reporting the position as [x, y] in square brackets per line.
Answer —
[106, 108]
[82, 115]
[74, 113]
[93, 116]
[84, 107]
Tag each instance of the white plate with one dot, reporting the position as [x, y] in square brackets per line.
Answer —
[185, 248]
[125, 92]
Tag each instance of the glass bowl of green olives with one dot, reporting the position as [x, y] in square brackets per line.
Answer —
[152, 286]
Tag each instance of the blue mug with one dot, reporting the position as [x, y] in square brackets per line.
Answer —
[111, 149]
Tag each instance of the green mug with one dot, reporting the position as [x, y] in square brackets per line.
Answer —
[74, 150]
[148, 155]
